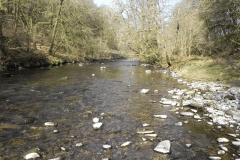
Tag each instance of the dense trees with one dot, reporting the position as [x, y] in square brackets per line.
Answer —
[74, 28]
[80, 29]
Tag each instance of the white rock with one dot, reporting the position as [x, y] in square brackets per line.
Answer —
[55, 131]
[220, 140]
[79, 145]
[223, 148]
[178, 124]
[95, 120]
[188, 145]
[93, 75]
[186, 102]
[197, 116]
[148, 71]
[163, 147]
[160, 116]
[50, 124]
[186, 113]
[155, 91]
[185, 122]
[126, 143]
[63, 149]
[107, 146]
[214, 158]
[232, 135]
[97, 125]
[103, 67]
[151, 135]
[32, 155]
[144, 91]
[145, 132]
[144, 139]
[165, 101]
[194, 110]
[236, 143]
[221, 152]
[209, 123]
[105, 159]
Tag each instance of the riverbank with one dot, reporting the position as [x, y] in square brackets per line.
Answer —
[207, 69]
[19, 58]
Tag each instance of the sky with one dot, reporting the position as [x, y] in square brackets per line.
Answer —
[102, 2]
[108, 2]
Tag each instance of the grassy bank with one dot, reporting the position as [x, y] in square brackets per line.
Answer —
[208, 69]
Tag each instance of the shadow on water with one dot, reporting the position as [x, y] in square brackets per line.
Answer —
[71, 96]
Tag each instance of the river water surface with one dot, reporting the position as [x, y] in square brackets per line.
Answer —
[71, 96]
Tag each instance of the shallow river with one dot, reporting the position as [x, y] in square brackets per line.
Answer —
[71, 96]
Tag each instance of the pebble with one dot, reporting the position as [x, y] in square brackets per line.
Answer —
[126, 143]
[146, 124]
[32, 155]
[55, 131]
[223, 148]
[50, 124]
[106, 146]
[144, 91]
[145, 132]
[144, 139]
[188, 145]
[186, 114]
[79, 145]
[221, 152]
[95, 120]
[196, 116]
[160, 116]
[178, 124]
[63, 149]
[151, 135]
[214, 158]
[97, 125]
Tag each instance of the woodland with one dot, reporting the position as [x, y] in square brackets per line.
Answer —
[35, 33]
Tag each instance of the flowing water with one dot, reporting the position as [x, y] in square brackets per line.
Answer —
[71, 96]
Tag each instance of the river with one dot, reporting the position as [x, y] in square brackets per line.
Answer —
[72, 95]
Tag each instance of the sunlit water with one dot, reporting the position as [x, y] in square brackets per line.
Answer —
[71, 96]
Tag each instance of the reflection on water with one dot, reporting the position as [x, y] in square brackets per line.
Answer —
[70, 96]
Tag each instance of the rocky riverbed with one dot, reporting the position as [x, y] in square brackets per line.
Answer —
[116, 110]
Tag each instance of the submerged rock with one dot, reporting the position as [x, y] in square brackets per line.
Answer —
[146, 124]
[151, 135]
[50, 124]
[32, 155]
[214, 158]
[107, 146]
[97, 125]
[188, 145]
[163, 147]
[236, 143]
[186, 114]
[145, 132]
[160, 116]
[126, 143]
[95, 120]
[144, 91]
[220, 140]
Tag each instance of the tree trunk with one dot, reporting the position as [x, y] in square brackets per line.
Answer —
[51, 51]
[2, 39]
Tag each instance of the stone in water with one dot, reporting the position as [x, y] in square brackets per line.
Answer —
[186, 113]
[97, 125]
[146, 124]
[160, 116]
[79, 145]
[50, 124]
[145, 132]
[145, 91]
[126, 143]
[151, 135]
[106, 146]
[163, 147]
[95, 120]
[220, 140]
[32, 155]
